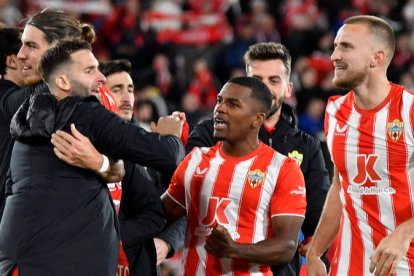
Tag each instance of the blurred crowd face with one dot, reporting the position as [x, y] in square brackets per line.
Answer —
[122, 89]
[352, 55]
[84, 77]
[273, 74]
[34, 45]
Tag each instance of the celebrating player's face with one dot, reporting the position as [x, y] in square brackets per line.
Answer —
[122, 88]
[34, 45]
[273, 74]
[84, 76]
[351, 58]
[234, 113]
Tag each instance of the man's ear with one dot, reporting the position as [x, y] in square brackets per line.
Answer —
[62, 82]
[378, 59]
[11, 61]
[259, 120]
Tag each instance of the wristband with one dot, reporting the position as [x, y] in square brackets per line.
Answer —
[105, 164]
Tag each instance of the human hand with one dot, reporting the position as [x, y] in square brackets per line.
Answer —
[220, 243]
[315, 266]
[162, 249]
[172, 124]
[76, 149]
[389, 252]
[304, 246]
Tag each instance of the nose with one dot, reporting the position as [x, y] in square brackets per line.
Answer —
[101, 78]
[220, 107]
[335, 54]
[22, 53]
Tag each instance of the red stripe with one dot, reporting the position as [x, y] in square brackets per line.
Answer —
[224, 175]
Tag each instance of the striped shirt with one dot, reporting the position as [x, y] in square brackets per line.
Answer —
[373, 152]
[242, 194]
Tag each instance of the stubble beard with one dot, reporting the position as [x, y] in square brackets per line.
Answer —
[350, 81]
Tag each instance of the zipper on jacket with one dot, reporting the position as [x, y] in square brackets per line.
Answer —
[270, 142]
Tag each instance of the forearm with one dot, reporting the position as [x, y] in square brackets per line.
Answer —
[329, 223]
[274, 251]
[174, 235]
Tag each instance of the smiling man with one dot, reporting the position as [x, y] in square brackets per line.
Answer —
[59, 219]
[244, 201]
[369, 131]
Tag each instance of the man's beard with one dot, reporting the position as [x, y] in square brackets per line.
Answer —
[349, 81]
[276, 107]
[78, 89]
[31, 80]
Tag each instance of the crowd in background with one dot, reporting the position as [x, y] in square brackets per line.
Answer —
[183, 51]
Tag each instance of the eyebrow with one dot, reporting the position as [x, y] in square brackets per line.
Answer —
[269, 77]
[120, 85]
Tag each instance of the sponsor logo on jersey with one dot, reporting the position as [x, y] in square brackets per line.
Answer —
[255, 178]
[372, 190]
[200, 171]
[395, 129]
[340, 130]
[299, 191]
[297, 156]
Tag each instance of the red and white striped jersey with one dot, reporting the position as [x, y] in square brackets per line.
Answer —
[373, 152]
[242, 194]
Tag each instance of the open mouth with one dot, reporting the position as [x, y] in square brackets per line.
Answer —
[219, 123]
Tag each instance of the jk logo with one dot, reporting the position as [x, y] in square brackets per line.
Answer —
[215, 211]
[365, 169]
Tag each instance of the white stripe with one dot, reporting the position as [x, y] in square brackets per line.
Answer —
[235, 195]
[261, 223]
[287, 214]
[188, 174]
[386, 210]
[407, 103]
[351, 156]
[205, 193]
[331, 110]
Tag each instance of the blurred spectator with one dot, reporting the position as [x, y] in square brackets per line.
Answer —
[311, 121]
[192, 108]
[203, 85]
[244, 37]
[9, 14]
[145, 112]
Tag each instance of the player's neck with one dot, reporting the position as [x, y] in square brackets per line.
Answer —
[271, 121]
[240, 148]
[370, 95]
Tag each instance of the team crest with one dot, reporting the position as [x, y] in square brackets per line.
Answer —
[255, 178]
[395, 129]
[295, 155]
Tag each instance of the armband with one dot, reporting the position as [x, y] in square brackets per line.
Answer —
[105, 164]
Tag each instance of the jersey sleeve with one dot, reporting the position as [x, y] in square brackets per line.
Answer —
[176, 189]
[289, 197]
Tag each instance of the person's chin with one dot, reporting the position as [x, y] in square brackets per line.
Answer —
[218, 136]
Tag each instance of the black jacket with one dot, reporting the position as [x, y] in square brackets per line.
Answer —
[11, 97]
[286, 139]
[141, 217]
[59, 219]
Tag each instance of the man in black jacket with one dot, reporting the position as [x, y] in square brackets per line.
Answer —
[11, 79]
[271, 63]
[59, 219]
[119, 82]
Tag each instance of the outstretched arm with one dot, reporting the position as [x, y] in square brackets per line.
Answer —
[77, 150]
[276, 250]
